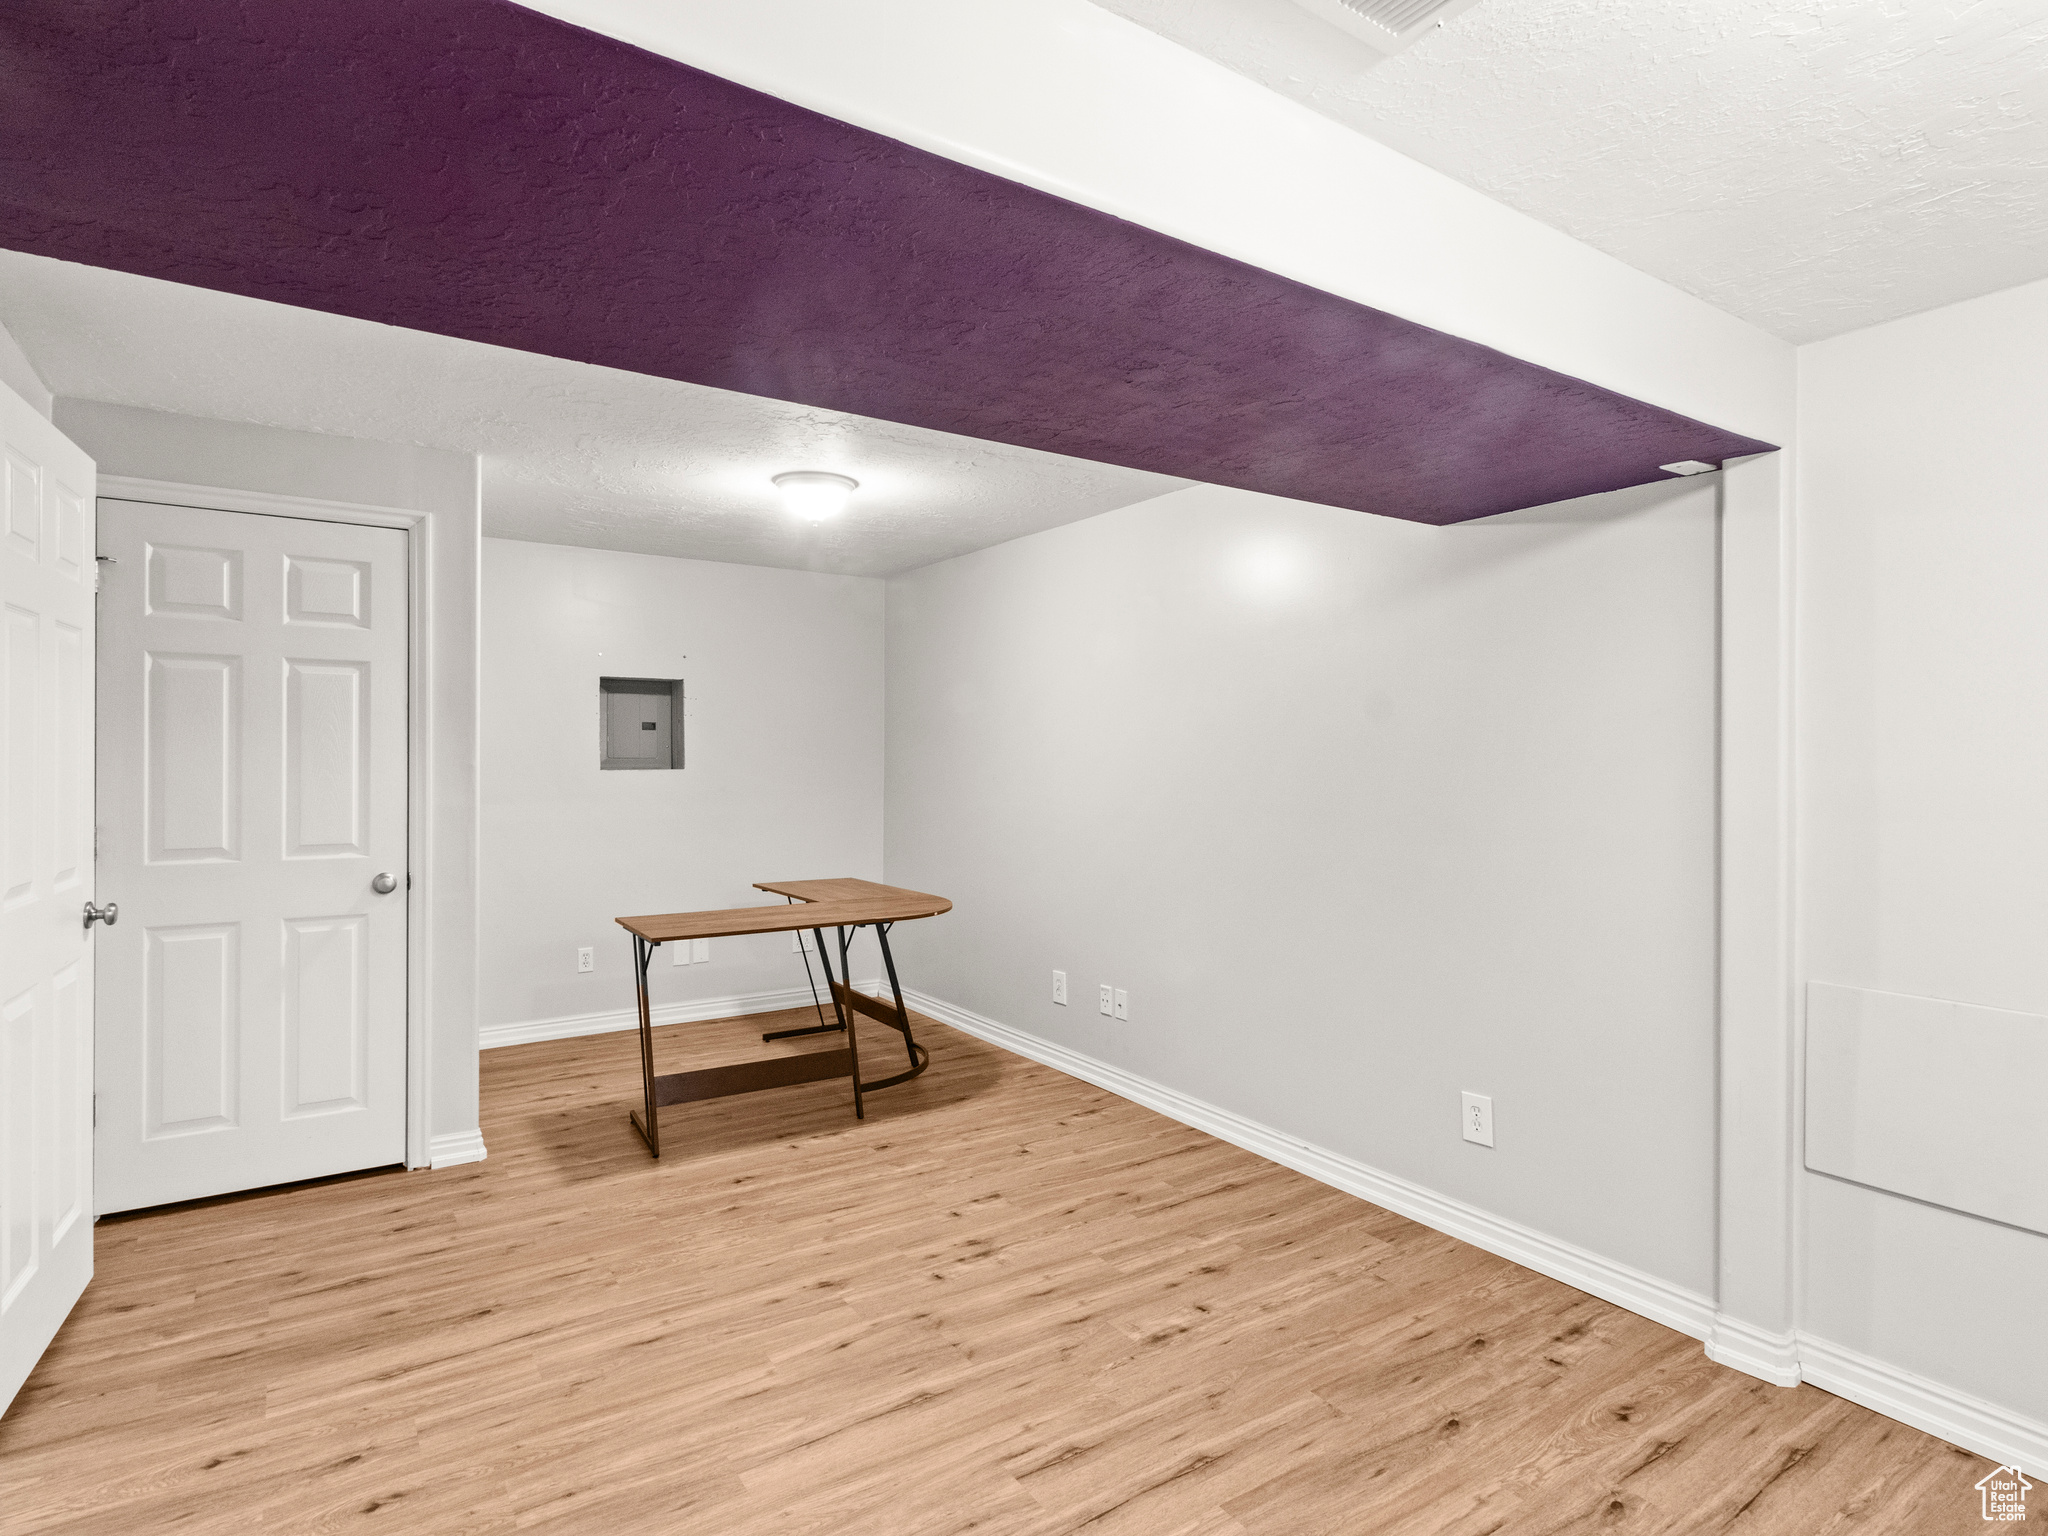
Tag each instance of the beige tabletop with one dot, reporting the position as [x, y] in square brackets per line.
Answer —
[841, 903]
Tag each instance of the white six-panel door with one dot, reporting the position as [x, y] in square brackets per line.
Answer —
[46, 879]
[252, 787]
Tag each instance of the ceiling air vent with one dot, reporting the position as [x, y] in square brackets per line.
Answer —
[1388, 25]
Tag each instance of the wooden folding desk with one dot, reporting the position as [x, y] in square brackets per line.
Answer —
[846, 906]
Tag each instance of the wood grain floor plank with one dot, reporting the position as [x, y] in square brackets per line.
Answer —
[1008, 1303]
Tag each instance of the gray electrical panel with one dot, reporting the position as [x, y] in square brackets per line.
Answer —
[640, 722]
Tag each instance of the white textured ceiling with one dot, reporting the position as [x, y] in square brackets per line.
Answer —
[1813, 166]
[572, 454]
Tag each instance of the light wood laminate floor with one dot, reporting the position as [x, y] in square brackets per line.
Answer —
[1008, 1303]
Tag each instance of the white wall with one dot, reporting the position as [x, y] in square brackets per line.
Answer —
[1362, 814]
[1924, 788]
[1064, 96]
[240, 456]
[20, 375]
[784, 778]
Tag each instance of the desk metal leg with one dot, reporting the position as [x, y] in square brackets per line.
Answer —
[842, 1013]
[819, 1028]
[825, 963]
[897, 1017]
[797, 1034]
[860, 1109]
[910, 1046]
[650, 1127]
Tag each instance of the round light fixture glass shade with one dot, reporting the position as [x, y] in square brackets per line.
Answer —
[813, 494]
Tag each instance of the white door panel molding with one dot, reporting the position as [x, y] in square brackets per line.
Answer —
[46, 881]
[253, 783]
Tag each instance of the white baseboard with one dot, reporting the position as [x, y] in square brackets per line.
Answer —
[1774, 1357]
[570, 1026]
[1974, 1424]
[1661, 1301]
[1783, 1359]
[455, 1148]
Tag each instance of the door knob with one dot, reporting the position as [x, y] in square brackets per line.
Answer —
[384, 885]
[109, 914]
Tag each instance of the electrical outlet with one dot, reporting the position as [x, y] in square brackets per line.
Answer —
[1108, 1003]
[1123, 1003]
[1059, 988]
[1476, 1118]
[799, 943]
[586, 959]
[681, 955]
[700, 951]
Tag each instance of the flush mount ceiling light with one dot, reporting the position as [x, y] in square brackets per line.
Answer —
[813, 494]
[1689, 467]
[1388, 25]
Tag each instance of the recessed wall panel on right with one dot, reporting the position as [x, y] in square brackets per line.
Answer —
[1934, 1100]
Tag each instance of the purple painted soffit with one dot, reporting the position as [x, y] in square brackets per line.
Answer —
[474, 169]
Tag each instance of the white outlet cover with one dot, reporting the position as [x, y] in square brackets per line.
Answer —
[1475, 1118]
[680, 952]
[1108, 1002]
[1059, 988]
[700, 951]
[1123, 1003]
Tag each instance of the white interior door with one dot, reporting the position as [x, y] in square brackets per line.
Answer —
[46, 682]
[252, 790]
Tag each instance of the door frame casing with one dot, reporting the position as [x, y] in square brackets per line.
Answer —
[420, 742]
